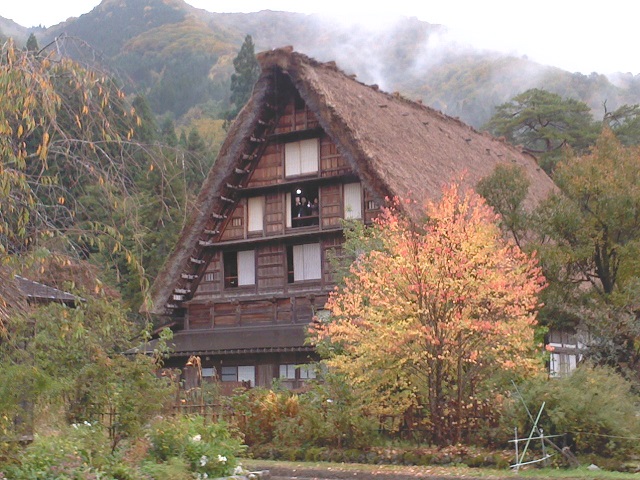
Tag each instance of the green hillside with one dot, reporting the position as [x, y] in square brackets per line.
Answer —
[180, 57]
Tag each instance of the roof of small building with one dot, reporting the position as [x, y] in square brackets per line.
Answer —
[239, 340]
[40, 292]
[396, 146]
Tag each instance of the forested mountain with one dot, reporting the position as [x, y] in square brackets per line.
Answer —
[180, 57]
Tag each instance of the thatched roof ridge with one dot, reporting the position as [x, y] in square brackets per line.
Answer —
[396, 146]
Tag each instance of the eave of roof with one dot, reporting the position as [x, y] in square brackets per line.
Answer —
[238, 340]
[38, 291]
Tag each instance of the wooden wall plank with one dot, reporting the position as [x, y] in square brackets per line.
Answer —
[235, 226]
[199, 316]
[271, 267]
[274, 214]
[330, 205]
[270, 167]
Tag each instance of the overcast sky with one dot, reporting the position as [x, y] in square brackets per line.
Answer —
[576, 35]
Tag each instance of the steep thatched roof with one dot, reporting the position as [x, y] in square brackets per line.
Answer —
[397, 147]
[405, 148]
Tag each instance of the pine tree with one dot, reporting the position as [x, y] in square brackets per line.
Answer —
[32, 43]
[247, 72]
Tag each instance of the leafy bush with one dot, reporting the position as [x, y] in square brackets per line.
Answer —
[594, 405]
[78, 452]
[260, 410]
[328, 414]
[207, 448]
[173, 469]
[177, 448]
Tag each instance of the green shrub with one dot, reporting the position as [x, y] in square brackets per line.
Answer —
[328, 414]
[259, 410]
[594, 405]
[207, 448]
[173, 469]
[78, 452]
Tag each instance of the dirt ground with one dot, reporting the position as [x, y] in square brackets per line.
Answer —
[299, 471]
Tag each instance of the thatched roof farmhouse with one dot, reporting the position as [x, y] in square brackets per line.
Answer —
[309, 130]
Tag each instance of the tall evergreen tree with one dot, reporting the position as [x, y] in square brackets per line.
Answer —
[246, 73]
[32, 43]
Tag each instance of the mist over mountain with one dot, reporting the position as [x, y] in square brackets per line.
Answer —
[181, 57]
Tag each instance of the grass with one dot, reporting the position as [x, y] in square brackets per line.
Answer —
[346, 470]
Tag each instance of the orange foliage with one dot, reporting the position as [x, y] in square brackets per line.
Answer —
[437, 314]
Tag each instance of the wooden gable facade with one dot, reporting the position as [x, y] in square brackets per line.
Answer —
[311, 148]
[264, 270]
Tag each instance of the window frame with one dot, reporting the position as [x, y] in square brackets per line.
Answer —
[298, 156]
[231, 263]
[255, 221]
[299, 255]
[351, 211]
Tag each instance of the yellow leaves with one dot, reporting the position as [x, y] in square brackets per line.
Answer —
[448, 294]
[61, 200]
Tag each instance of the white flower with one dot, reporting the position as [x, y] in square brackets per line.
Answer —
[197, 438]
[74, 425]
[203, 460]
[238, 470]
[87, 423]
[222, 459]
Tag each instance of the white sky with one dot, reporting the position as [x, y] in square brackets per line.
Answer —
[576, 35]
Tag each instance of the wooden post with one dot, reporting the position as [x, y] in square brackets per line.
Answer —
[515, 439]
[533, 430]
[545, 462]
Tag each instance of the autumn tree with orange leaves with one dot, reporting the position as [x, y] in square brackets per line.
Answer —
[437, 316]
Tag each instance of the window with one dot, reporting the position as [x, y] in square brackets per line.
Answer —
[304, 262]
[239, 268]
[301, 158]
[562, 364]
[303, 207]
[322, 316]
[288, 371]
[307, 371]
[568, 347]
[236, 222]
[255, 206]
[229, 374]
[208, 372]
[352, 201]
[209, 277]
[245, 373]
